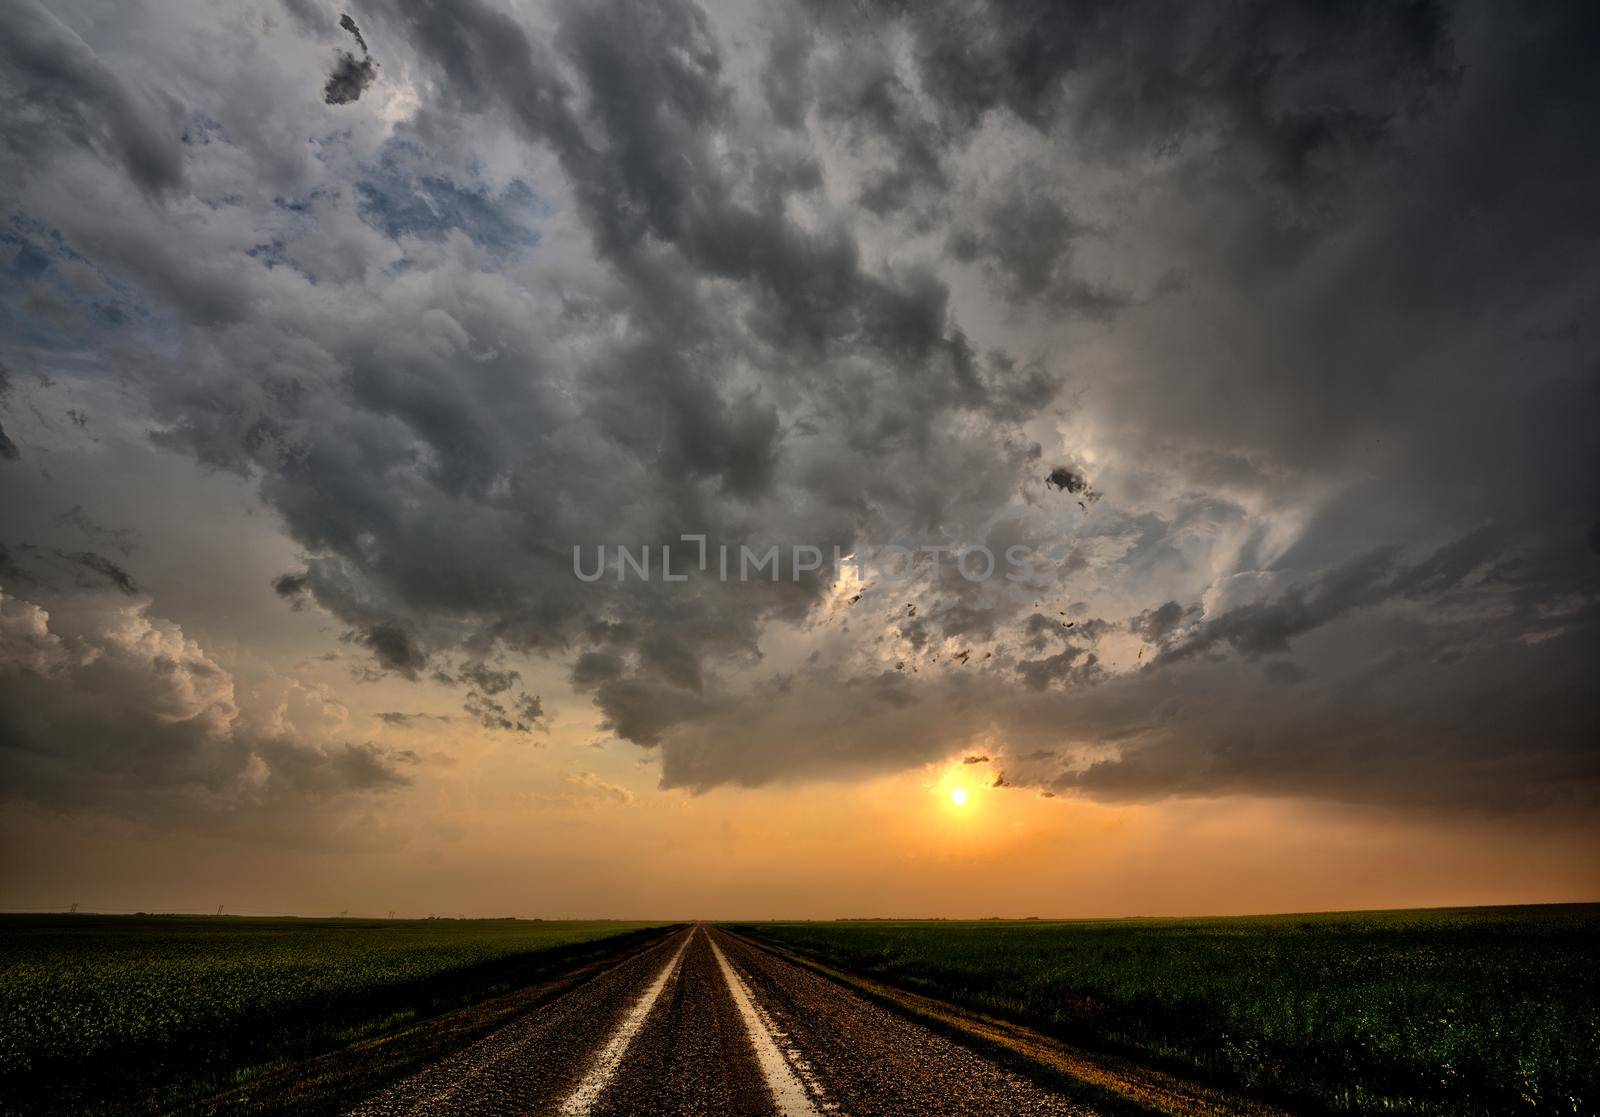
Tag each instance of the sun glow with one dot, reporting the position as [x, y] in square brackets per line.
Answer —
[958, 796]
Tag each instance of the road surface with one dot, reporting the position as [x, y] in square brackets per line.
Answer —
[704, 1023]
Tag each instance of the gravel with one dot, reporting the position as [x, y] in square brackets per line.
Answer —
[693, 1054]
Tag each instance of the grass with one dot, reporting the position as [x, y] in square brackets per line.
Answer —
[1472, 1011]
[143, 1013]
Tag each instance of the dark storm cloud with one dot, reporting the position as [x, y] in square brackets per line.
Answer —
[486, 679]
[55, 90]
[8, 449]
[1269, 627]
[637, 151]
[862, 92]
[783, 78]
[343, 768]
[1346, 723]
[1364, 737]
[294, 587]
[1292, 82]
[394, 648]
[641, 163]
[593, 668]
[10, 569]
[1024, 240]
[351, 75]
[350, 78]
[1070, 665]
[1154, 625]
[749, 322]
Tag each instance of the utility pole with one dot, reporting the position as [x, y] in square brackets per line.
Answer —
[391, 913]
[219, 909]
[73, 910]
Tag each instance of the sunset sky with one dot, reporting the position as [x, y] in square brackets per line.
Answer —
[1264, 334]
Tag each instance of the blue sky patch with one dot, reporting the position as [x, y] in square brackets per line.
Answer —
[400, 201]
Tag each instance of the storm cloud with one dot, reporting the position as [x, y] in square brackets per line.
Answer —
[104, 705]
[1303, 290]
[351, 75]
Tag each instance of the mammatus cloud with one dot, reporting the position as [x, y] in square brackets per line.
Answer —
[1159, 300]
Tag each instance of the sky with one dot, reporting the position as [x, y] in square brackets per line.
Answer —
[1176, 424]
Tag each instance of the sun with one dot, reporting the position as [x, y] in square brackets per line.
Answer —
[958, 796]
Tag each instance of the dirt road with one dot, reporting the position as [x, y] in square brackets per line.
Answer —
[705, 1023]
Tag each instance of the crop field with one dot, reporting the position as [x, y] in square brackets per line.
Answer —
[1470, 1011]
[166, 1007]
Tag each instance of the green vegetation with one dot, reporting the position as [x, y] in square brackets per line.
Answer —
[1473, 1011]
[125, 1012]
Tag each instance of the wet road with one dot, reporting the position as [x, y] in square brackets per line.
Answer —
[704, 1023]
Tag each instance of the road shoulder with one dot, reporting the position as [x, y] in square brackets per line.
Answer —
[1110, 1084]
[334, 1081]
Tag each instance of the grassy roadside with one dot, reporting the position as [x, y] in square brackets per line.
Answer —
[149, 1015]
[1470, 1012]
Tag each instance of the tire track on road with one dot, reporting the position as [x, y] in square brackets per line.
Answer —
[532, 1063]
[694, 1056]
[598, 1077]
[793, 1085]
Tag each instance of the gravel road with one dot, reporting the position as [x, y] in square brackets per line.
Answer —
[704, 1023]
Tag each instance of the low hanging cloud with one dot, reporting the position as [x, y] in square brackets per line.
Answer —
[103, 705]
[1367, 637]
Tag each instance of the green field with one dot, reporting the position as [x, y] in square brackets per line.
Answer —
[167, 1007]
[1474, 1011]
